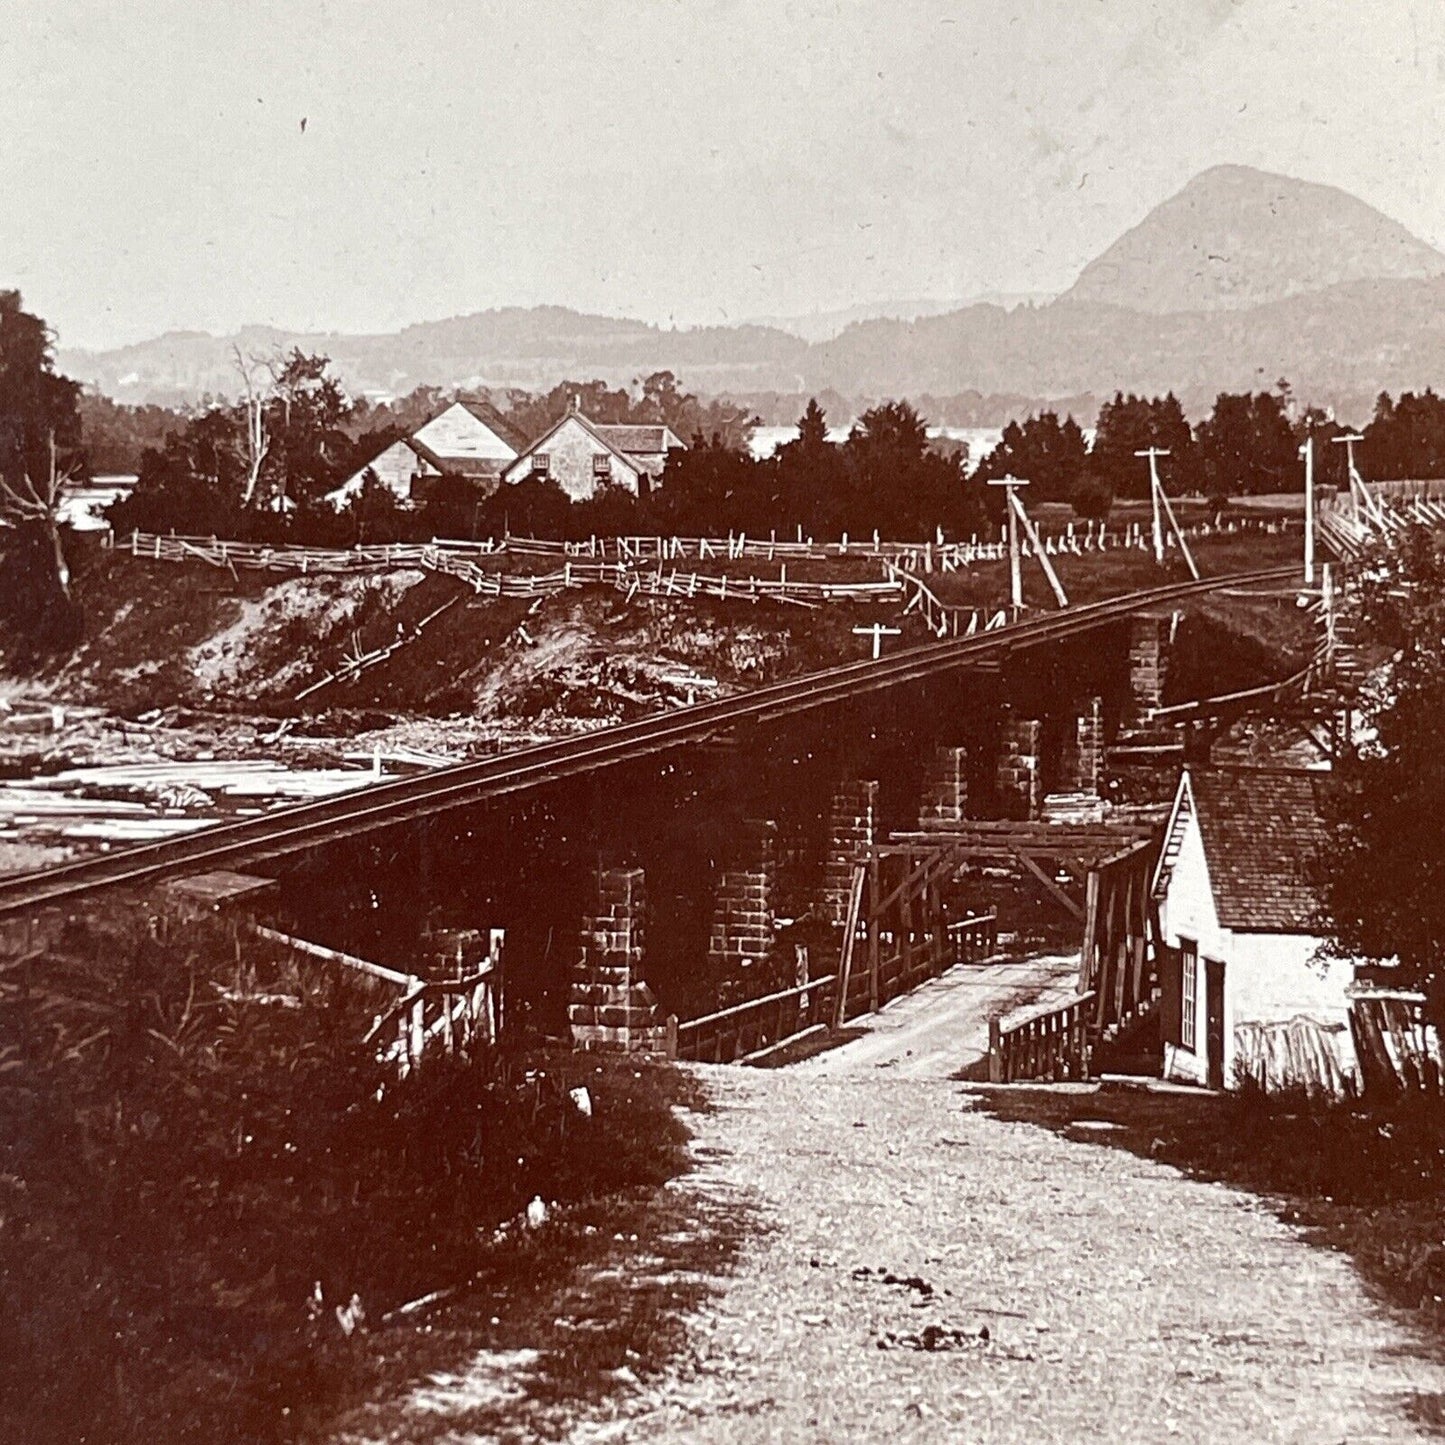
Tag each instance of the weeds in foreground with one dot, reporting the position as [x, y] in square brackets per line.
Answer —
[193, 1144]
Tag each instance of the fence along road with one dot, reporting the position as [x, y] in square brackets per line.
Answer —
[292, 830]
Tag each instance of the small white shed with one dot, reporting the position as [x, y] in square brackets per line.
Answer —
[1243, 994]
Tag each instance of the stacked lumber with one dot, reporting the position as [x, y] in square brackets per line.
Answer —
[139, 802]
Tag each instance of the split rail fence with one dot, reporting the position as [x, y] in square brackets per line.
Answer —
[1078, 539]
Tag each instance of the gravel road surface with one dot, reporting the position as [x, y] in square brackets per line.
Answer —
[924, 1271]
[1121, 1301]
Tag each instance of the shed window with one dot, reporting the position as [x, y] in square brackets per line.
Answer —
[542, 463]
[601, 464]
[1189, 987]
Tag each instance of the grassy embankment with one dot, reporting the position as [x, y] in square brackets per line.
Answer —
[191, 1145]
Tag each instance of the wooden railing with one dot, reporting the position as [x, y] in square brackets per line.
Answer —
[450, 1015]
[462, 1015]
[906, 960]
[753, 1027]
[1050, 1044]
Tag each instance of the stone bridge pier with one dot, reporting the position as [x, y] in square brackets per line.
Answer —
[609, 1005]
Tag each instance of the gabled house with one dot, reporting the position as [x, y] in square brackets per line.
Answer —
[468, 439]
[581, 455]
[1243, 994]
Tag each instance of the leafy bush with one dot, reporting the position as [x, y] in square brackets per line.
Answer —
[193, 1136]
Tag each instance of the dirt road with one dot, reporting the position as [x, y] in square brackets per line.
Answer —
[927, 1272]
[1121, 1301]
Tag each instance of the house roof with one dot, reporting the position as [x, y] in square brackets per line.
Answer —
[590, 427]
[650, 440]
[488, 415]
[1261, 827]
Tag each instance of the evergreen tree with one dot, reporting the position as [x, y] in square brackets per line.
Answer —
[1246, 446]
[1128, 425]
[1050, 453]
[1383, 874]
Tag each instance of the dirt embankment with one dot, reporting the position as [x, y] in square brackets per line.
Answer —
[221, 663]
[194, 661]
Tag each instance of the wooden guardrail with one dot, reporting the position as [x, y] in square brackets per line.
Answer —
[755, 1026]
[908, 959]
[462, 1015]
[1052, 1043]
[758, 1025]
[973, 939]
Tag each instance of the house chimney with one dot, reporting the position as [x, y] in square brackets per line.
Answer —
[577, 403]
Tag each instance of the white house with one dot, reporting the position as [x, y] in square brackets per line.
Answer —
[581, 455]
[1242, 993]
[467, 439]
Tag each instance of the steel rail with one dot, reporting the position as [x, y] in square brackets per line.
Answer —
[290, 830]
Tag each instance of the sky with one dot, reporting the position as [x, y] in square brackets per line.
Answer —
[359, 166]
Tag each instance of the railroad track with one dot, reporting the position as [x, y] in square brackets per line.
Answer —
[291, 830]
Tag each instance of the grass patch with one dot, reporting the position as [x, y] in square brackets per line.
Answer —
[192, 1140]
[1367, 1181]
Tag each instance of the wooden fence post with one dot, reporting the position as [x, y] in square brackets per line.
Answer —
[875, 892]
[995, 1051]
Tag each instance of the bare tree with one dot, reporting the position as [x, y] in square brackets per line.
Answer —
[258, 436]
[39, 505]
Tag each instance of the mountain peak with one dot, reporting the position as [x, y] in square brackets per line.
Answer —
[1237, 237]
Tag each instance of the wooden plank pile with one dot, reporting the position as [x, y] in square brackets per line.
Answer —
[144, 801]
[1397, 1047]
[1300, 1053]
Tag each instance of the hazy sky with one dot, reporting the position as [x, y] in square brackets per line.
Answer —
[686, 160]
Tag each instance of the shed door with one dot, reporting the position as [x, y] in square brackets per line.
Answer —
[1214, 1020]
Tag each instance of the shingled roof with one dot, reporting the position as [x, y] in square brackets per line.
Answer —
[1260, 827]
[648, 440]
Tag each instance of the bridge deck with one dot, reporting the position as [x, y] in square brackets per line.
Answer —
[938, 1028]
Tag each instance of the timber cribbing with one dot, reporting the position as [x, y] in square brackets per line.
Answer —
[292, 830]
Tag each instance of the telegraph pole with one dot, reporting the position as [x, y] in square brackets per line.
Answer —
[1015, 570]
[1307, 451]
[1356, 481]
[1154, 453]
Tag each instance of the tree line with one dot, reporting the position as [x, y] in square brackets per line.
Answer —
[260, 465]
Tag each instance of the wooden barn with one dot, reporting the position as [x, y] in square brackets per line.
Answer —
[1244, 993]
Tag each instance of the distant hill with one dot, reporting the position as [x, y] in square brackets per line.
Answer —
[1339, 347]
[824, 325]
[1236, 237]
[1240, 279]
[524, 347]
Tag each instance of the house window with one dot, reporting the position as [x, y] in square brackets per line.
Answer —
[542, 464]
[601, 465]
[1189, 987]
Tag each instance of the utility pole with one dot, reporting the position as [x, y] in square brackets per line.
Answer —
[877, 631]
[1307, 451]
[1015, 571]
[1155, 490]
